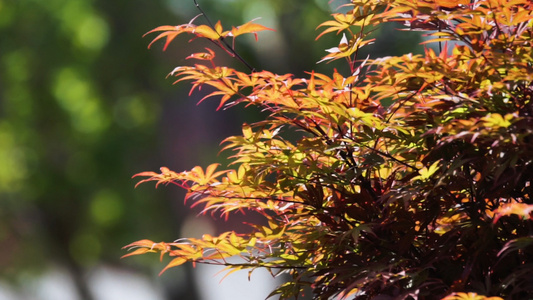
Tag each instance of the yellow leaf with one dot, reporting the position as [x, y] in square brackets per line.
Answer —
[289, 256]
[497, 120]
[206, 32]
[425, 173]
[218, 28]
[247, 131]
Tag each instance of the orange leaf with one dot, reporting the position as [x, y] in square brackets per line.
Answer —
[143, 246]
[170, 32]
[174, 263]
[141, 243]
[137, 252]
[451, 3]
[209, 55]
[521, 209]
[249, 27]
[469, 296]
[166, 176]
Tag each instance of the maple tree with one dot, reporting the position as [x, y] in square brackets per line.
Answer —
[407, 178]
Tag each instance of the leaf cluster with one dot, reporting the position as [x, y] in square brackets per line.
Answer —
[408, 178]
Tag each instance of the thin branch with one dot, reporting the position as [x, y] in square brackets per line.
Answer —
[251, 265]
[223, 40]
[391, 157]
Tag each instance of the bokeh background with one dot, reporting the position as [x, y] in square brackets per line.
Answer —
[84, 106]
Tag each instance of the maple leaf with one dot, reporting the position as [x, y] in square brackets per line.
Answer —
[166, 176]
[198, 175]
[169, 32]
[249, 27]
[404, 155]
[209, 55]
[469, 296]
[520, 209]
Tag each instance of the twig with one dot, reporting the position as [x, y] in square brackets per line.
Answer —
[226, 46]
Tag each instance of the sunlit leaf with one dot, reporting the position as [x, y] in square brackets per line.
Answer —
[178, 261]
[249, 27]
[426, 172]
[469, 296]
[520, 209]
[383, 178]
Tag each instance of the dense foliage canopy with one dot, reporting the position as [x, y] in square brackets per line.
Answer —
[407, 178]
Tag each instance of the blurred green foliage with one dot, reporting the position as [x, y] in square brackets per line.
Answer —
[84, 105]
[80, 97]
